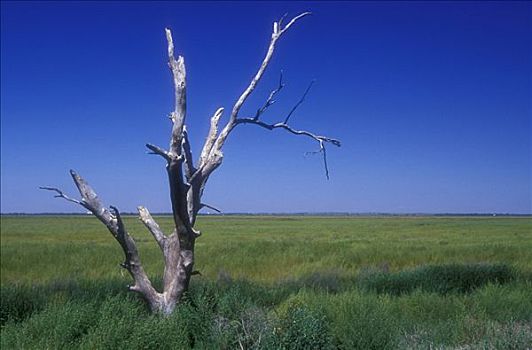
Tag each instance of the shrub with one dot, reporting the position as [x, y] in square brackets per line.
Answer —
[19, 302]
[363, 322]
[57, 326]
[300, 327]
[252, 330]
[328, 281]
[118, 319]
[508, 336]
[442, 279]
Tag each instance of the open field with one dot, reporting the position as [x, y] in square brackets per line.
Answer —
[276, 282]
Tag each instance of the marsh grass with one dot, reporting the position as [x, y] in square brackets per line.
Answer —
[442, 279]
[303, 283]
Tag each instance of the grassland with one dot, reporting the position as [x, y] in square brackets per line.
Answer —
[276, 282]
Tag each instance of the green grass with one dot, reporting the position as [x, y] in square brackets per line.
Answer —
[276, 282]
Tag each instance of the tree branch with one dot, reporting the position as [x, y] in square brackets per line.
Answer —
[159, 151]
[321, 139]
[292, 21]
[196, 181]
[178, 115]
[299, 102]
[277, 32]
[60, 194]
[152, 226]
[203, 205]
[323, 151]
[289, 129]
[178, 187]
[270, 100]
[211, 136]
[187, 181]
[187, 153]
[216, 154]
[113, 222]
[284, 125]
[90, 200]
[120, 235]
[325, 165]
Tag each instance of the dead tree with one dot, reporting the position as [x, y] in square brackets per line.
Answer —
[187, 182]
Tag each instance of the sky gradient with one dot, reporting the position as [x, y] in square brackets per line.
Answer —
[432, 102]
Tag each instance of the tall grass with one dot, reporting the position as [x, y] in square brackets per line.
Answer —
[238, 313]
[295, 283]
[440, 279]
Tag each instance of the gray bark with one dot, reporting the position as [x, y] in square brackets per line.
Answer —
[186, 181]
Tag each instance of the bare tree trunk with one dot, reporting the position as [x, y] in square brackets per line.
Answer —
[187, 183]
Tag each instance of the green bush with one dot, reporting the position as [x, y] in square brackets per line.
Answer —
[442, 279]
[300, 327]
[253, 329]
[19, 302]
[118, 319]
[55, 327]
[363, 322]
[327, 281]
[511, 302]
[240, 313]
[507, 336]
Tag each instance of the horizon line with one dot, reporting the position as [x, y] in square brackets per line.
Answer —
[332, 213]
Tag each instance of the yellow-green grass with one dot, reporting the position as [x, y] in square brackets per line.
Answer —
[265, 249]
[276, 282]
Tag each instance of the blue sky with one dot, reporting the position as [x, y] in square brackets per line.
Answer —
[432, 102]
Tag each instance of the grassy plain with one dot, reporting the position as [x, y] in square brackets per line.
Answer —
[276, 282]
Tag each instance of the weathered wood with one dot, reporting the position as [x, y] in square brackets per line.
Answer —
[186, 181]
[113, 221]
[153, 227]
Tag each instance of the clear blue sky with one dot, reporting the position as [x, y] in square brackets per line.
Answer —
[431, 100]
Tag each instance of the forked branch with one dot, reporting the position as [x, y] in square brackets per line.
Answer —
[278, 30]
[270, 100]
[60, 194]
[179, 151]
[320, 139]
[276, 34]
[187, 180]
[215, 155]
[113, 222]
